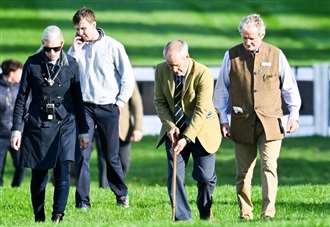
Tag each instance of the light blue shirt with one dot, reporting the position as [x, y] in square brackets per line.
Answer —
[290, 92]
[106, 74]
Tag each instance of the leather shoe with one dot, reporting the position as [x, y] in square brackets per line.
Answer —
[83, 205]
[246, 217]
[122, 201]
[206, 215]
[267, 217]
[57, 218]
[40, 217]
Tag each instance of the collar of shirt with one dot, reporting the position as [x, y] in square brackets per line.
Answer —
[101, 35]
[179, 78]
[52, 62]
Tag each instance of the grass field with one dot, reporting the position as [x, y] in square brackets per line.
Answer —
[303, 196]
[300, 28]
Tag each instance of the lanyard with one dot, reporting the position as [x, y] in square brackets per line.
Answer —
[49, 79]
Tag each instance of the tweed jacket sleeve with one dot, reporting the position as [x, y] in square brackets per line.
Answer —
[136, 109]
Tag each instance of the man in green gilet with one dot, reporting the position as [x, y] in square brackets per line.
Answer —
[255, 76]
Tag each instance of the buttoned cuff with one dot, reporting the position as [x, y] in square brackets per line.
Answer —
[16, 133]
[120, 103]
[223, 118]
[186, 138]
[294, 115]
[83, 136]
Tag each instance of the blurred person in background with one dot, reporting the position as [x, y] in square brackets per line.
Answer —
[9, 84]
[49, 135]
[255, 76]
[130, 130]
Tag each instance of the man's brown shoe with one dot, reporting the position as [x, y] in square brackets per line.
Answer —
[246, 217]
[267, 217]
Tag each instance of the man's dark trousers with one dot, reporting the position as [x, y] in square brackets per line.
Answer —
[106, 118]
[203, 173]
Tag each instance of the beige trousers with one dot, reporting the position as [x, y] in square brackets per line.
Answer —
[246, 155]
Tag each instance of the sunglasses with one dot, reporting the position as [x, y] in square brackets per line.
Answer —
[56, 49]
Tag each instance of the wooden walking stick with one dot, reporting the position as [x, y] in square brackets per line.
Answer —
[173, 182]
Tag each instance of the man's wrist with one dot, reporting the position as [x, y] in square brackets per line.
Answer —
[186, 138]
[120, 103]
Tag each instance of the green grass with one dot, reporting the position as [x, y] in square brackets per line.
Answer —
[300, 28]
[303, 196]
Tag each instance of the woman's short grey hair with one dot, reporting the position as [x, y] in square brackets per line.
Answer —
[182, 47]
[52, 32]
[254, 20]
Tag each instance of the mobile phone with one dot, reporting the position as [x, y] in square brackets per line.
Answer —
[80, 38]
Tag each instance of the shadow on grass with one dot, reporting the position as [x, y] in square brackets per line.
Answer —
[201, 53]
[318, 7]
[291, 172]
[312, 42]
[305, 35]
[304, 207]
[298, 170]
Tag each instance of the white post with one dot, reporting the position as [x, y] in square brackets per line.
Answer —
[321, 99]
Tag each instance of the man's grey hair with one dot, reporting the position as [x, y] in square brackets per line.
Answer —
[52, 32]
[182, 47]
[254, 20]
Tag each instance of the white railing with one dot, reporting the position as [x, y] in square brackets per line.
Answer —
[316, 124]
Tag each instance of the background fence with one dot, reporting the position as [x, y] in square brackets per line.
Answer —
[313, 83]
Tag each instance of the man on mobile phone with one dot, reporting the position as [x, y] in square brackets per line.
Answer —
[107, 83]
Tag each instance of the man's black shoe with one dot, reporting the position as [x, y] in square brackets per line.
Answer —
[40, 217]
[122, 201]
[83, 205]
[57, 218]
[205, 215]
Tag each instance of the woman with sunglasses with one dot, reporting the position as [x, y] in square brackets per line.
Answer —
[49, 135]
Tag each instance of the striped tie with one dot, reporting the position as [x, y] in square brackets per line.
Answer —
[180, 119]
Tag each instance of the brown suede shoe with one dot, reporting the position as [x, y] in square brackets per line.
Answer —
[267, 217]
[246, 217]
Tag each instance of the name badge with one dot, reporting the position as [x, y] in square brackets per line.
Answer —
[237, 110]
[266, 64]
[209, 115]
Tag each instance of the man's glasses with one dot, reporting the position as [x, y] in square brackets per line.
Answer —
[56, 49]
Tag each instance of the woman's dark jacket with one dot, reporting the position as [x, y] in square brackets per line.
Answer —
[8, 93]
[44, 140]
